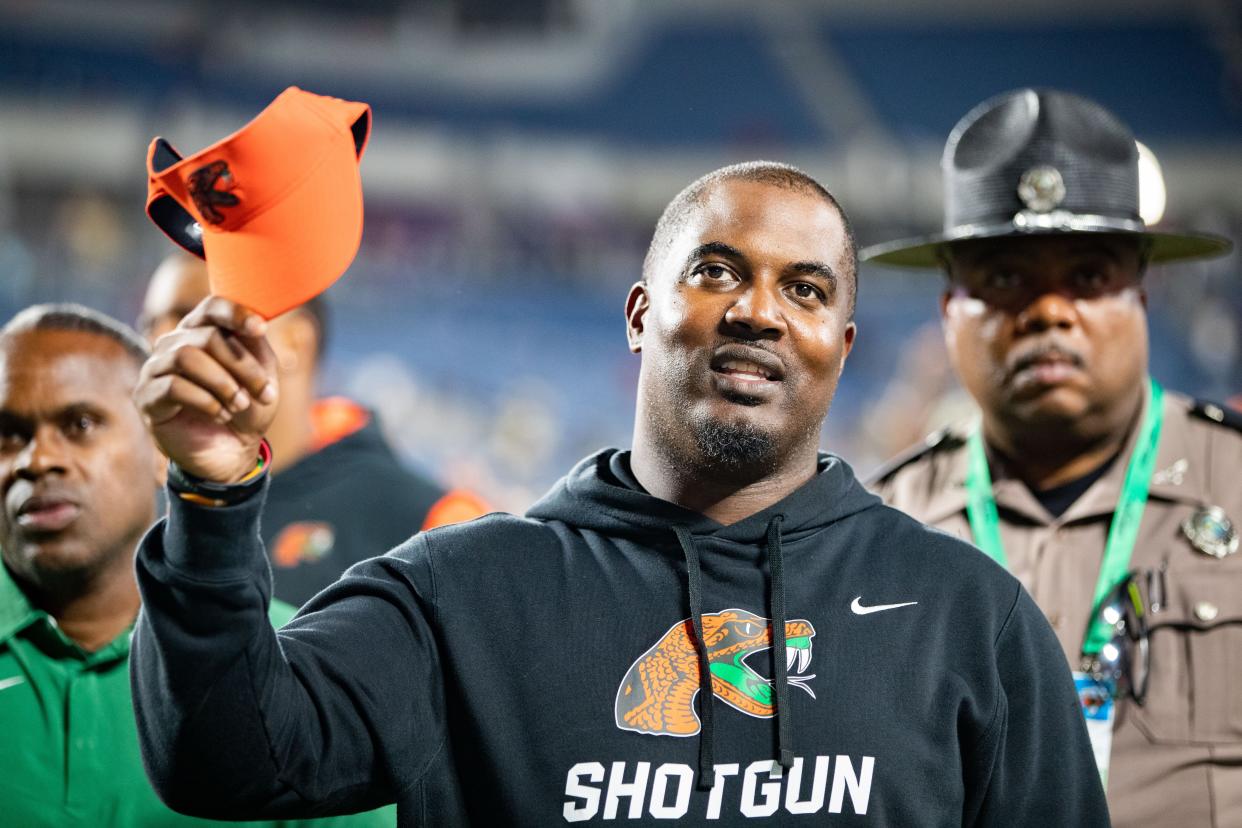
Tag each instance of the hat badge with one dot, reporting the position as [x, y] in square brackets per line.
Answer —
[1211, 532]
[1041, 188]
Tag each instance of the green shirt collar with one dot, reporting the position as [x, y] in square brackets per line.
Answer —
[16, 611]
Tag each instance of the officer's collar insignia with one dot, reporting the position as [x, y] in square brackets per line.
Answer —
[1174, 475]
[1041, 188]
[1211, 532]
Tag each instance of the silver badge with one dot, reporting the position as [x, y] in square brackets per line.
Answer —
[1041, 188]
[1211, 532]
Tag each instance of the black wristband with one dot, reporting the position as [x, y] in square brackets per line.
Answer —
[195, 489]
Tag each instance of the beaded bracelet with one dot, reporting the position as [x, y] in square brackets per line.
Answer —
[194, 489]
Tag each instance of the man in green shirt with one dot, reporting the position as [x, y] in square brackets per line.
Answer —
[78, 482]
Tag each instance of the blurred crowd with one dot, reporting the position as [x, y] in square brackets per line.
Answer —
[462, 328]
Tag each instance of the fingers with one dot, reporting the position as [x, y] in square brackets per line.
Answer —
[219, 312]
[164, 397]
[258, 348]
[225, 382]
[219, 362]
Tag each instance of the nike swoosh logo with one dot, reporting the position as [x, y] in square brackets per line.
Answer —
[859, 609]
[5, 684]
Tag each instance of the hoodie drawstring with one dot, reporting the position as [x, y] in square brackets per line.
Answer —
[780, 677]
[780, 661]
[694, 579]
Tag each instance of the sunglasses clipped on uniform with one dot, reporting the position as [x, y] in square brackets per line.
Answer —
[1124, 661]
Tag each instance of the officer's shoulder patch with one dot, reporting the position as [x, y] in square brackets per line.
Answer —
[1217, 413]
[945, 439]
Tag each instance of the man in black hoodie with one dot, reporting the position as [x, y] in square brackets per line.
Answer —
[718, 626]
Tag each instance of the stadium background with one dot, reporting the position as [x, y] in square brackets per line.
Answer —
[523, 150]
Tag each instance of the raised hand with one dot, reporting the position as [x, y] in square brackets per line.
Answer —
[208, 393]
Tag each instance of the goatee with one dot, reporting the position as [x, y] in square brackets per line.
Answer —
[734, 446]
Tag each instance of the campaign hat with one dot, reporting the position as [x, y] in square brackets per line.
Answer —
[1041, 162]
[276, 207]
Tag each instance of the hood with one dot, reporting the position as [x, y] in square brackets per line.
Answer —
[345, 435]
[602, 494]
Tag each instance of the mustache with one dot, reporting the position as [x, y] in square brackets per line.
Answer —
[1044, 352]
[23, 499]
[740, 348]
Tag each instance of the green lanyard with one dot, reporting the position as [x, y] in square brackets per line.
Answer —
[1122, 533]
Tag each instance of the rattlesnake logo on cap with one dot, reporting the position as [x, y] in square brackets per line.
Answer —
[206, 197]
[657, 694]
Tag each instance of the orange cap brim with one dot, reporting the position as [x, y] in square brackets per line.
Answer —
[293, 251]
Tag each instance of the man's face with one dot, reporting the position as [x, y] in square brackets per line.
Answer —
[744, 324]
[1047, 330]
[176, 287]
[77, 468]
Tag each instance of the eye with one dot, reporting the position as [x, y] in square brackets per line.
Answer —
[1090, 279]
[716, 272]
[1002, 280]
[807, 292]
[11, 437]
[713, 274]
[81, 425]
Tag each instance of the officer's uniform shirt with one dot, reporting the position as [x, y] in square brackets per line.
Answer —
[1177, 759]
[70, 746]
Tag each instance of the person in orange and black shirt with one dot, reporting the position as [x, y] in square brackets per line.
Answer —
[318, 520]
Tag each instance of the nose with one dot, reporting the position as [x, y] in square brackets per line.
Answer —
[43, 454]
[1050, 310]
[756, 313]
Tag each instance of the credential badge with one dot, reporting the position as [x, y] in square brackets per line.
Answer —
[1041, 188]
[1211, 532]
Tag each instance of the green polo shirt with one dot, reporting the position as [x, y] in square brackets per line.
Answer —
[69, 748]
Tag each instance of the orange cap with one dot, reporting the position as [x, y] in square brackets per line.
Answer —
[276, 207]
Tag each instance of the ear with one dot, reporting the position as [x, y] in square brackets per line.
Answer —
[947, 273]
[636, 306]
[851, 331]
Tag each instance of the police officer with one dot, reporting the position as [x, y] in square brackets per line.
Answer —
[1113, 500]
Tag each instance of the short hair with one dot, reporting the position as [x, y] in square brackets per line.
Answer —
[761, 172]
[69, 316]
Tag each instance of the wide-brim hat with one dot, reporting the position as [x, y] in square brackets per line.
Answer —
[1041, 162]
[276, 207]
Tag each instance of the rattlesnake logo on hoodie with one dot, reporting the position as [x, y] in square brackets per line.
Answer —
[657, 694]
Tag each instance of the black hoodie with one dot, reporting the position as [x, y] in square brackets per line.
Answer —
[536, 671]
[318, 520]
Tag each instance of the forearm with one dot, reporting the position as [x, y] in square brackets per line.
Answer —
[236, 721]
[203, 655]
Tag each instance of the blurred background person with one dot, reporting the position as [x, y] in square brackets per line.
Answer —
[78, 476]
[318, 520]
[1116, 503]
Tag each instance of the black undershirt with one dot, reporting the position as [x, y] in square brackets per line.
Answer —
[1059, 498]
